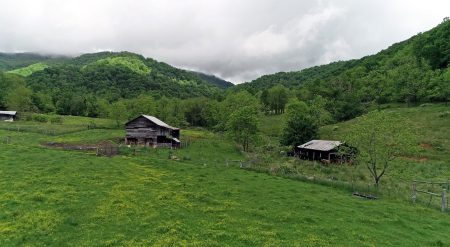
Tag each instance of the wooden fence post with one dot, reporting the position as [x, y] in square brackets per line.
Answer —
[414, 191]
[444, 201]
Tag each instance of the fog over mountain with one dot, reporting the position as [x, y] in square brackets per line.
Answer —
[235, 40]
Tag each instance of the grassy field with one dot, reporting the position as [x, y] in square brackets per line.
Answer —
[26, 71]
[51, 197]
[431, 123]
[432, 127]
[70, 124]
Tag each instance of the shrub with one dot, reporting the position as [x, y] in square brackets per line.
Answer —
[56, 120]
[40, 118]
[91, 125]
[26, 116]
[426, 105]
[444, 114]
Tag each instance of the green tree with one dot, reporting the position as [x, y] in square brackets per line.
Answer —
[194, 111]
[300, 125]
[103, 108]
[176, 113]
[141, 105]
[434, 46]
[118, 112]
[78, 105]
[232, 103]
[265, 100]
[318, 111]
[19, 99]
[303, 94]
[201, 112]
[163, 108]
[9, 82]
[243, 125]
[380, 137]
[278, 98]
[43, 102]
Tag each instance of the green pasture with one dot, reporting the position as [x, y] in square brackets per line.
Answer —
[196, 196]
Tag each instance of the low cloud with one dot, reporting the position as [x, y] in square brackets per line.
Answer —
[236, 40]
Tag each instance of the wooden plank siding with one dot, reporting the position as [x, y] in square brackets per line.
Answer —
[143, 131]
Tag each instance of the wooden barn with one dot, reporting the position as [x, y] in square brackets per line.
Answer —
[8, 116]
[151, 132]
[322, 150]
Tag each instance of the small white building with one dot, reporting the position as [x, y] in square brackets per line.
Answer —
[8, 116]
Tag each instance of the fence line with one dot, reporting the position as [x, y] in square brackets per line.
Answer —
[52, 130]
[395, 192]
[442, 194]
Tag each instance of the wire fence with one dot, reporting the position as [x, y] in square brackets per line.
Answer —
[51, 130]
[430, 194]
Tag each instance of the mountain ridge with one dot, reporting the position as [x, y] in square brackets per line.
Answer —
[13, 62]
[428, 52]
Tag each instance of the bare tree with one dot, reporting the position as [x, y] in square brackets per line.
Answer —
[380, 137]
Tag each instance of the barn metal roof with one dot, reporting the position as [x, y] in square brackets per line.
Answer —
[321, 145]
[159, 122]
[12, 113]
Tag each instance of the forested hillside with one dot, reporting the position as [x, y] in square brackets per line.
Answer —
[215, 80]
[412, 71]
[11, 61]
[120, 75]
[88, 85]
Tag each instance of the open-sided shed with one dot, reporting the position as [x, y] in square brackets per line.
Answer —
[8, 116]
[319, 150]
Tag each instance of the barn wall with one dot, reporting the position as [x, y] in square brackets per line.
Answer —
[143, 131]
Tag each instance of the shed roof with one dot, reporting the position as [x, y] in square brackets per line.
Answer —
[321, 145]
[12, 113]
[156, 121]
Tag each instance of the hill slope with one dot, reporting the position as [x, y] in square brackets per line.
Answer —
[410, 71]
[429, 162]
[221, 83]
[12, 61]
[123, 74]
[30, 69]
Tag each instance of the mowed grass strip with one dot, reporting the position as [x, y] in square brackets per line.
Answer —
[58, 198]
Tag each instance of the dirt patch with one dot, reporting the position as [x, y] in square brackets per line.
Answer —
[417, 159]
[426, 145]
[104, 148]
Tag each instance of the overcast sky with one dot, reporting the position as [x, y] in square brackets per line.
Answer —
[238, 40]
